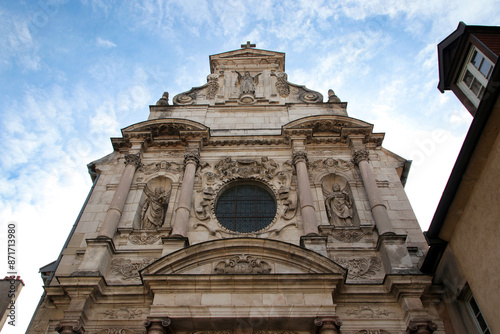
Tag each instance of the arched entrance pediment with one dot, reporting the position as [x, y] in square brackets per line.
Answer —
[243, 256]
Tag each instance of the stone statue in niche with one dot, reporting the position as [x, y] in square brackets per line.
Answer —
[339, 207]
[153, 210]
[247, 82]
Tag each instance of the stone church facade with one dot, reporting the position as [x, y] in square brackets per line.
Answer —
[246, 205]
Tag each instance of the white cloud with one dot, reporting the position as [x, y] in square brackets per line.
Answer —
[103, 43]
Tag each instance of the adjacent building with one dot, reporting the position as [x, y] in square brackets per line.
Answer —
[246, 205]
[464, 251]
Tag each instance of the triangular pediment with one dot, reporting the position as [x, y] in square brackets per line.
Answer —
[245, 58]
[243, 256]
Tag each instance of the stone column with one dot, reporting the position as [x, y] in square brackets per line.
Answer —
[108, 229]
[180, 225]
[305, 195]
[328, 325]
[378, 208]
[157, 326]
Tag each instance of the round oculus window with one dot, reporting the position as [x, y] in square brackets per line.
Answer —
[245, 207]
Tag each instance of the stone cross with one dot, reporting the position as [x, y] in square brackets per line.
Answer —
[248, 45]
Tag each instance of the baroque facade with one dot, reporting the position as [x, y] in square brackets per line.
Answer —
[248, 205]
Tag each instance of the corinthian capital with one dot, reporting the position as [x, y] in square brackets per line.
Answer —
[361, 155]
[299, 156]
[192, 157]
[133, 159]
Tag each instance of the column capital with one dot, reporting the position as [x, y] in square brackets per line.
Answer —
[70, 327]
[299, 156]
[421, 327]
[361, 155]
[133, 159]
[192, 157]
[157, 325]
[328, 324]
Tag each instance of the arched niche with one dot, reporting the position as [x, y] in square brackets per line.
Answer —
[339, 202]
[153, 204]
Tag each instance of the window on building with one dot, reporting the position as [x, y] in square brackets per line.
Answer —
[476, 314]
[245, 207]
[475, 75]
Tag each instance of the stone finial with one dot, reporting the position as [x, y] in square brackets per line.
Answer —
[332, 97]
[361, 155]
[421, 327]
[133, 159]
[163, 101]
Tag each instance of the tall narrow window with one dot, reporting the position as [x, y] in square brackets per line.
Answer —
[475, 75]
[476, 315]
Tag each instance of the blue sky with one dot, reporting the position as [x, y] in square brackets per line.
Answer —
[73, 73]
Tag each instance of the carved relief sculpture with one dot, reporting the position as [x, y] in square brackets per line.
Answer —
[202, 208]
[282, 85]
[242, 264]
[153, 210]
[213, 85]
[128, 269]
[339, 207]
[247, 83]
[360, 268]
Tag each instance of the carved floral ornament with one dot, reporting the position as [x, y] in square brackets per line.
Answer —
[242, 264]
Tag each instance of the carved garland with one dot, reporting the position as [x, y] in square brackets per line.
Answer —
[242, 264]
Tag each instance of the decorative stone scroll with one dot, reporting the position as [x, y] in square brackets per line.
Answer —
[281, 84]
[157, 326]
[128, 269]
[242, 264]
[213, 85]
[360, 268]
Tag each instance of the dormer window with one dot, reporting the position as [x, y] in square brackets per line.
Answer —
[475, 75]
